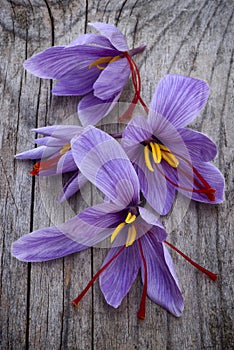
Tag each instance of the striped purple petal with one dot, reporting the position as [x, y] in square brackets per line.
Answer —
[117, 279]
[162, 283]
[92, 109]
[179, 99]
[112, 33]
[199, 146]
[73, 185]
[158, 192]
[64, 132]
[92, 39]
[45, 244]
[35, 153]
[102, 161]
[117, 72]
[59, 61]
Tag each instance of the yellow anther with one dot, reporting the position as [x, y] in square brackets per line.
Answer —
[100, 67]
[116, 58]
[102, 60]
[130, 218]
[164, 148]
[156, 152]
[131, 235]
[170, 159]
[116, 231]
[65, 148]
[168, 156]
[147, 158]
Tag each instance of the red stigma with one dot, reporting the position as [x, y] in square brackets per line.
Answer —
[45, 165]
[136, 79]
[89, 285]
[210, 274]
[202, 185]
[141, 312]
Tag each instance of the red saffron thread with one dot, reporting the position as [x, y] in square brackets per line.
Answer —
[210, 274]
[207, 190]
[89, 285]
[141, 312]
[136, 79]
[44, 165]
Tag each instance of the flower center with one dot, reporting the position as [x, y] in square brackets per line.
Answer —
[132, 232]
[158, 152]
[104, 60]
[49, 163]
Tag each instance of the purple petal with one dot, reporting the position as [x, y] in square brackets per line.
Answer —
[162, 286]
[116, 38]
[50, 142]
[92, 39]
[45, 244]
[93, 224]
[77, 84]
[179, 99]
[152, 219]
[59, 61]
[35, 153]
[215, 180]
[65, 132]
[117, 72]
[84, 230]
[73, 185]
[102, 161]
[188, 180]
[66, 163]
[91, 109]
[137, 130]
[117, 279]
[199, 145]
[158, 192]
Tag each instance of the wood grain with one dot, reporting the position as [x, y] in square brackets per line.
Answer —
[193, 38]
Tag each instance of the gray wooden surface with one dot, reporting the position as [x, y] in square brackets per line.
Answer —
[187, 37]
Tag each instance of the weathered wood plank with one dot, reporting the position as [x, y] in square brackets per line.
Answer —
[186, 37]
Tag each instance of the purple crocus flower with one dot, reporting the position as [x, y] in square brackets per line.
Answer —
[166, 155]
[136, 234]
[54, 156]
[94, 65]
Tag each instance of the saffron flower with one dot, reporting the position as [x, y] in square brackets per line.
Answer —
[95, 65]
[166, 155]
[54, 156]
[136, 234]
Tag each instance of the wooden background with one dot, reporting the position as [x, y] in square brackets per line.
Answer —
[193, 38]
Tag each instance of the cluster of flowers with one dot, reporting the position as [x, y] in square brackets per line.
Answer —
[156, 157]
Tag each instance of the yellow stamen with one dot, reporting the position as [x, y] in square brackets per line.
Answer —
[116, 231]
[116, 58]
[65, 148]
[156, 152]
[147, 158]
[168, 156]
[130, 218]
[102, 60]
[164, 148]
[100, 67]
[170, 159]
[131, 235]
